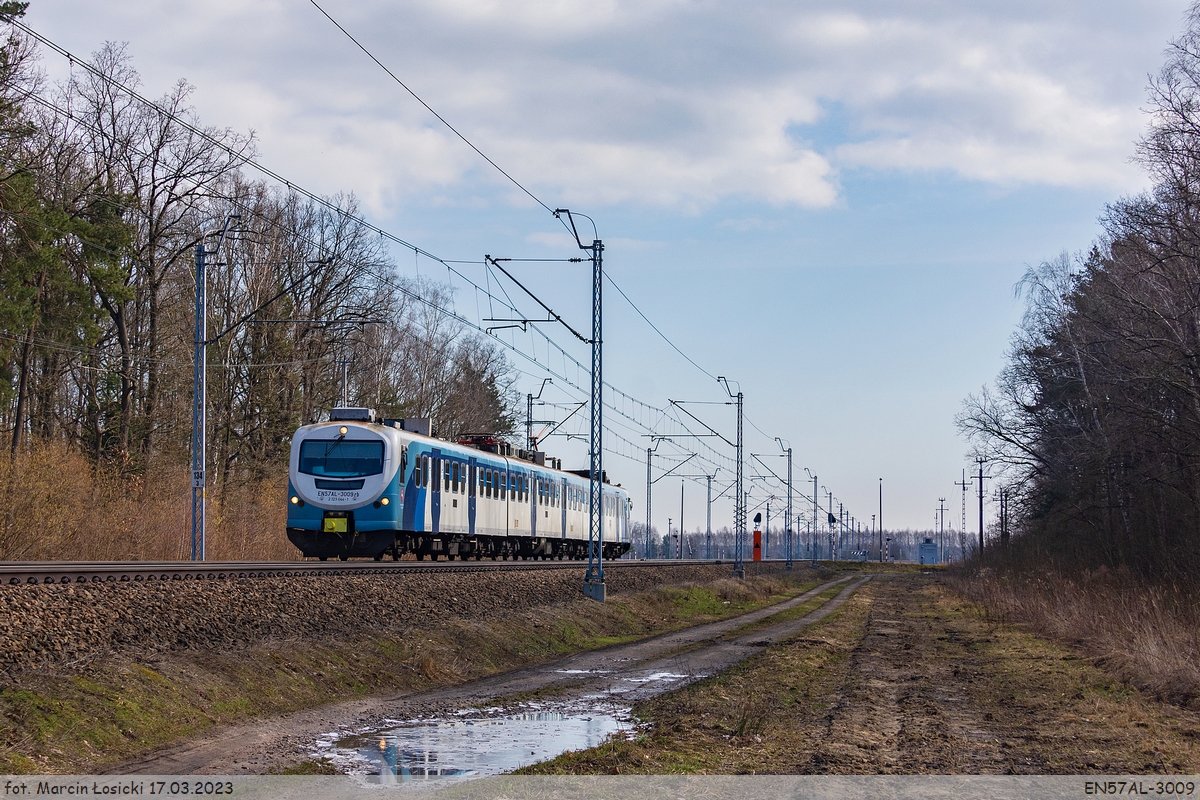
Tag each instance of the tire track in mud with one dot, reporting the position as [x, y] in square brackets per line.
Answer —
[621, 673]
[905, 707]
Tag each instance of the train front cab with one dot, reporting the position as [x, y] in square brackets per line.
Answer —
[350, 505]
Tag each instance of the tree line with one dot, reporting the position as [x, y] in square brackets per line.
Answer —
[1095, 421]
[103, 201]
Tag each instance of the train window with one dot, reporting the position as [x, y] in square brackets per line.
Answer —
[425, 471]
[341, 458]
[504, 486]
[454, 476]
[445, 475]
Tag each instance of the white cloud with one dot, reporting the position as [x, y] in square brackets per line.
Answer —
[664, 103]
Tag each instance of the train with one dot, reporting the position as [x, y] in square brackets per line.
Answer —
[359, 487]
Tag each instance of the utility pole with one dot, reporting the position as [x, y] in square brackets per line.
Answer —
[767, 552]
[708, 524]
[345, 368]
[669, 536]
[788, 532]
[962, 531]
[531, 442]
[841, 529]
[881, 520]
[814, 522]
[649, 494]
[830, 526]
[200, 394]
[593, 579]
[941, 529]
[1003, 516]
[739, 510]
[681, 528]
[200, 407]
[980, 462]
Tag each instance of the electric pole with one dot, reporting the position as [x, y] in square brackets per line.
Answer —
[531, 442]
[962, 531]
[739, 511]
[708, 524]
[980, 462]
[200, 394]
[593, 579]
[941, 529]
[788, 532]
[881, 520]
[681, 528]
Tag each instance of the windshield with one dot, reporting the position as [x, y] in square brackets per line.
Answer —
[340, 458]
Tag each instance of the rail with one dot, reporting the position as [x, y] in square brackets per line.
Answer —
[65, 572]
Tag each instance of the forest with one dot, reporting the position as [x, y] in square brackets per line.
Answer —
[1095, 421]
[104, 200]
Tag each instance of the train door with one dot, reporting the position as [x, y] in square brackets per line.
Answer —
[505, 490]
[562, 489]
[435, 486]
[412, 485]
[535, 487]
[471, 472]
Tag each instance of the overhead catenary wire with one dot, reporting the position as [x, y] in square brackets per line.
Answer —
[241, 156]
[324, 202]
[429, 108]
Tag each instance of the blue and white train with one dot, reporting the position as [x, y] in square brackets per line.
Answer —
[360, 488]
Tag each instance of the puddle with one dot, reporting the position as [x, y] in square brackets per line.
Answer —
[470, 744]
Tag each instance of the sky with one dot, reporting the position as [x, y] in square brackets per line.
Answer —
[828, 203]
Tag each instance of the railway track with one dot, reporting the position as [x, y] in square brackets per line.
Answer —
[67, 572]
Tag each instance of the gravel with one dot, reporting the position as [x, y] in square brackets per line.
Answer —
[48, 625]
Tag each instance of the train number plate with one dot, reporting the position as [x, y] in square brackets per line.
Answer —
[335, 525]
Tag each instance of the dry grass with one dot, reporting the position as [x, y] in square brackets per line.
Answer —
[55, 504]
[1144, 634]
[906, 678]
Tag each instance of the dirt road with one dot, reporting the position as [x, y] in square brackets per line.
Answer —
[632, 672]
[908, 678]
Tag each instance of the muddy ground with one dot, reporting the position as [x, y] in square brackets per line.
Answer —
[907, 678]
[625, 673]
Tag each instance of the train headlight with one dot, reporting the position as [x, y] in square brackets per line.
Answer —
[384, 501]
[295, 499]
[343, 430]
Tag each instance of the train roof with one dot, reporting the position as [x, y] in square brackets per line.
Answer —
[471, 442]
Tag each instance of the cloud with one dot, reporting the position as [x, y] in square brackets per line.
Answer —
[659, 103]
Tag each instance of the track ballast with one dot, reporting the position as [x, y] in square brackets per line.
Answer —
[69, 572]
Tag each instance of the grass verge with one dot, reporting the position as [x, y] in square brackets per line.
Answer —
[907, 677]
[741, 721]
[88, 718]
